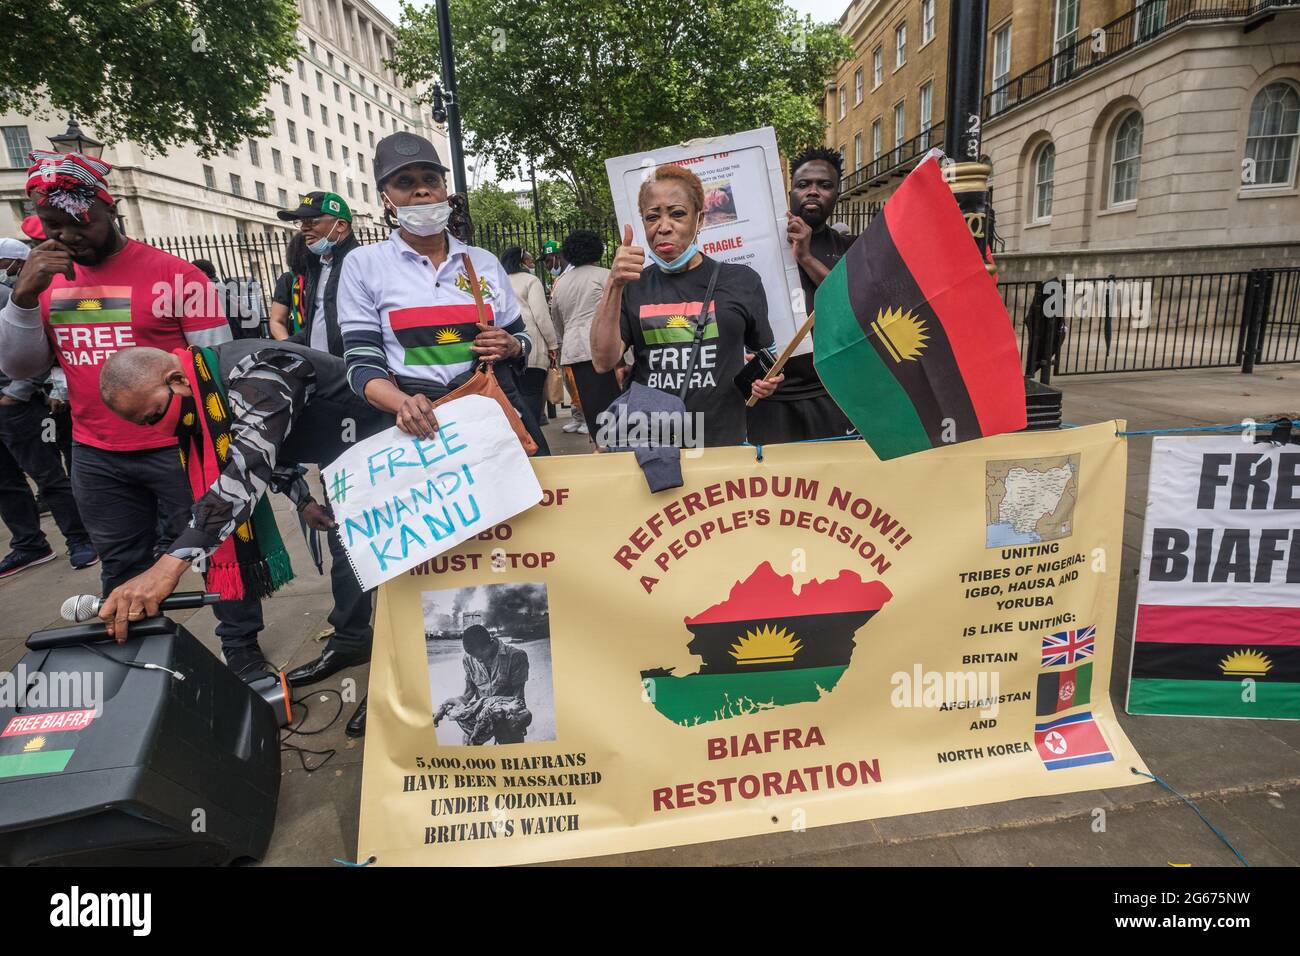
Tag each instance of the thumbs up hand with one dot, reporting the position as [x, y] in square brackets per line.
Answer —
[629, 260]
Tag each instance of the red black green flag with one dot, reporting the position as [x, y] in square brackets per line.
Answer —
[911, 338]
[1061, 690]
[437, 334]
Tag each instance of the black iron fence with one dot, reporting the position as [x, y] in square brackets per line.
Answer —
[1073, 326]
[1142, 24]
[895, 162]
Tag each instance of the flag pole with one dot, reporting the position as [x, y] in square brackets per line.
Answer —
[775, 370]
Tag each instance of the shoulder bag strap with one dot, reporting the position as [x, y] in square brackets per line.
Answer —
[479, 307]
[701, 322]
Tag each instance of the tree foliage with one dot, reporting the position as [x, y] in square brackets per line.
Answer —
[571, 84]
[158, 72]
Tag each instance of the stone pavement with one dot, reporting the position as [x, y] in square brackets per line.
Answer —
[1245, 774]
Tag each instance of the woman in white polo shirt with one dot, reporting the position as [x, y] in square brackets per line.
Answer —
[405, 306]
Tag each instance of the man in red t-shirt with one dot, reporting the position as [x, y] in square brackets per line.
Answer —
[86, 292]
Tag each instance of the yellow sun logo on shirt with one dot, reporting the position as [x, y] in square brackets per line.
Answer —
[447, 337]
[215, 410]
[677, 322]
[223, 446]
[89, 305]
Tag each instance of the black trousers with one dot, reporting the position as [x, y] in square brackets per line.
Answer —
[532, 386]
[23, 448]
[350, 617]
[127, 494]
[595, 390]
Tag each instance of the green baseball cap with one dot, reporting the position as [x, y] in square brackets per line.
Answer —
[313, 204]
[550, 247]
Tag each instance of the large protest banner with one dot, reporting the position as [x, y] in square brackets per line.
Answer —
[745, 213]
[814, 638]
[1217, 632]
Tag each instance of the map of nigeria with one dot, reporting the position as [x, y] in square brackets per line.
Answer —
[766, 646]
[1030, 500]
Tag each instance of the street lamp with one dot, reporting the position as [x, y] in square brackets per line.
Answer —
[76, 141]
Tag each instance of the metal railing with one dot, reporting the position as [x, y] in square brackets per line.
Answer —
[1076, 326]
[1140, 25]
[892, 162]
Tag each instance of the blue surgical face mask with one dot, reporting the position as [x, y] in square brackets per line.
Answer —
[677, 264]
[323, 245]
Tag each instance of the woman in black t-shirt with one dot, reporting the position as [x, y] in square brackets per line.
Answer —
[287, 314]
[654, 310]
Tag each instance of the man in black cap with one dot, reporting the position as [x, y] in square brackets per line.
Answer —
[326, 224]
[802, 409]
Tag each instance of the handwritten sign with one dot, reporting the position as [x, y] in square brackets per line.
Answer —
[400, 500]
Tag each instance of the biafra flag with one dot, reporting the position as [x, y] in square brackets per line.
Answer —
[437, 334]
[767, 646]
[911, 337]
[1061, 690]
[77, 305]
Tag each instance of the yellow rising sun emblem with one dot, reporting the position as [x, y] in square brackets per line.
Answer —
[677, 322]
[215, 410]
[244, 532]
[447, 337]
[36, 743]
[767, 645]
[1245, 664]
[223, 446]
[89, 305]
[902, 334]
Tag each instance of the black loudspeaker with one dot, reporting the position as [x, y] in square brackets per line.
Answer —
[171, 771]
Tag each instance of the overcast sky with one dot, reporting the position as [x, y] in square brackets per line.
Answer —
[820, 10]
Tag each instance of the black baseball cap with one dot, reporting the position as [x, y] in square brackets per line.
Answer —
[313, 204]
[399, 150]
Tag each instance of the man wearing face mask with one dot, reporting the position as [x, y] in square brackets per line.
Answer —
[86, 292]
[553, 259]
[326, 224]
[406, 307]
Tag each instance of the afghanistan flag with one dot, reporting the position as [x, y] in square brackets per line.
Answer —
[673, 322]
[1073, 741]
[437, 334]
[1216, 661]
[911, 337]
[1061, 690]
[766, 646]
[90, 304]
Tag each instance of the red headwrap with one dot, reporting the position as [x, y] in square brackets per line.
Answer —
[70, 181]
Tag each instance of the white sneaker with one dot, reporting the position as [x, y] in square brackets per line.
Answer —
[582, 429]
[572, 427]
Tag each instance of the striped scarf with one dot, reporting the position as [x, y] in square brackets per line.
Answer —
[295, 304]
[252, 562]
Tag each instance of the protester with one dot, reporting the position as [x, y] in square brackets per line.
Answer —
[553, 259]
[424, 333]
[24, 448]
[325, 223]
[288, 301]
[574, 299]
[86, 292]
[653, 310]
[325, 228]
[802, 409]
[537, 321]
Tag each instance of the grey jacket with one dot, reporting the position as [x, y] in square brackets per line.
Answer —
[574, 298]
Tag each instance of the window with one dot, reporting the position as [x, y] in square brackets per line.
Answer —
[1274, 134]
[371, 133]
[254, 156]
[1151, 19]
[927, 98]
[306, 106]
[329, 148]
[259, 190]
[1044, 169]
[1001, 66]
[324, 116]
[899, 124]
[361, 162]
[342, 126]
[365, 192]
[311, 44]
[877, 67]
[875, 140]
[857, 151]
[209, 177]
[383, 120]
[277, 162]
[1066, 31]
[297, 169]
[1126, 159]
[390, 99]
[329, 59]
[857, 86]
[338, 93]
[236, 185]
[311, 140]
[334, 182]
[302, 70]
[282, 197]
[352, 101]
[284, 94]
[927, 21]
[356, 132]
[900, 45]
[347, 72]
[320, 81]
[315, 175]
[345, 153]
[367, 110]
[351, 194]
[18, 144]
[844, 102]
[292, 127]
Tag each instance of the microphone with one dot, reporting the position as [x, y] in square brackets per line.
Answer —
[85, 607]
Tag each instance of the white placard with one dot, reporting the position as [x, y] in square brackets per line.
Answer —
[746, 211]
[399, 500]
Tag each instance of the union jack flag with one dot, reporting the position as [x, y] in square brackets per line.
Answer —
[1068, 647]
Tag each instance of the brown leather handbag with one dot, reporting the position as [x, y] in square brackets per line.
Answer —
[484, 380]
